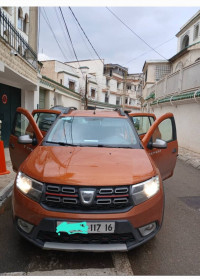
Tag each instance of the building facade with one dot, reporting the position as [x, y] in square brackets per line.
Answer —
[18, 63]
[179, 91]
[154, 70]
[104, 85]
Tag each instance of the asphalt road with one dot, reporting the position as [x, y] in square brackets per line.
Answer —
[174, 251]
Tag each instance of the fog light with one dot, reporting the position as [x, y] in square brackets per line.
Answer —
[147, 229]
[25, 226]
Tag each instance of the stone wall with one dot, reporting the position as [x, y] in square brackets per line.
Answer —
[16, 63]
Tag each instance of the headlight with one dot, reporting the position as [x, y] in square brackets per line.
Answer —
[29, 187]
[145, 190]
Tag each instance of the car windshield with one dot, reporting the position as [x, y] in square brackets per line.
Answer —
[93, 131]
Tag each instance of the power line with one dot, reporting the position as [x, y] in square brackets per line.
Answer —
[70, 39]
[67, 43]
[48, 23]
[85, 34]
[83, 39]
[86, 45]
[149, 51]
[134, 33]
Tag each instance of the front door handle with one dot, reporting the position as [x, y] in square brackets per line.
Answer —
[12, 145]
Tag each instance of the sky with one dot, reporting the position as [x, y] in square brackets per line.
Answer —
[113, 41]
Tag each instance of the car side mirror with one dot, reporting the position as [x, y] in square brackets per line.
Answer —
[159, 144]
[25, 139]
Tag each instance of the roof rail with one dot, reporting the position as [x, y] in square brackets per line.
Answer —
[127, 111]
[69, 109]
[120, 111]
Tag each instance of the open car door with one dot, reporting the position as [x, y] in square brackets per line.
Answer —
[23, 125]
[161, 143]
[142, 122]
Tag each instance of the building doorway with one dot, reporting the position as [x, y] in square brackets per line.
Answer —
[10, 99]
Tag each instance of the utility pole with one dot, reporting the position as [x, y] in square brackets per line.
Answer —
[124, 90]
[86, 100]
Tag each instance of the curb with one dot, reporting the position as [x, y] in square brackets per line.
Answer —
[190, 162]
[6, 192]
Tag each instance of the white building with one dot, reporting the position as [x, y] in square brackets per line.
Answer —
[179, 91]
[154, 70]
[18, 63]
[108, 86]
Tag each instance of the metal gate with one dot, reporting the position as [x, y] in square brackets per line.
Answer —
[10, 99]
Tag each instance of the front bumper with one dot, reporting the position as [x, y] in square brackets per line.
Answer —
[125, 237]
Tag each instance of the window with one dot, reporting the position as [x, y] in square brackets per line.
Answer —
[22, 126]
[20, 18]
[185, 42]
[126, 100]
[106, 98]
[110, 73]
[25, 24]
[118, 85]
[142, 123]
[45, 120]
[128, 87]
[60, 81]
[146, 75]
[196, 31]
[93, 131]
[164, 131]
[107, 82]
[72, 85]
[118, 100]
[93, 93]
[161, 71]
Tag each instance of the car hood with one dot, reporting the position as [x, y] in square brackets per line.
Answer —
[88, 165]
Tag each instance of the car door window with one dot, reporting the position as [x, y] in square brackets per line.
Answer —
[142, 123]
[22, 126]
[45, 120]
[164, 131]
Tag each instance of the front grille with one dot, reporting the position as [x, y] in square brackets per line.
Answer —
[107, 199]
[126, 238]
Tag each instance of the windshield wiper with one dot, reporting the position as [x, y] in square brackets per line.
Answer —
[111, 146]
[60, 143]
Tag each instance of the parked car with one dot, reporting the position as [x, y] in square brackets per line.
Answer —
[90, 168]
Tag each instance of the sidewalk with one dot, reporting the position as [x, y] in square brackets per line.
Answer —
[6, 181]
[189, 157]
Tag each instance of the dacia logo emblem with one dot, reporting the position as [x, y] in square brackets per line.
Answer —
[87, 196]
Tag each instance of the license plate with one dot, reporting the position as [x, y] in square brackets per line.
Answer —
[101, 227]
[80, 227]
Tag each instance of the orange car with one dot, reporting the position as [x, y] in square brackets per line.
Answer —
[92, 176]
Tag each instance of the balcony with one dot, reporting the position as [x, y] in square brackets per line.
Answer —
[14, 39]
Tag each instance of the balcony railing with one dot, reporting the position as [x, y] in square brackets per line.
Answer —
[12, 37]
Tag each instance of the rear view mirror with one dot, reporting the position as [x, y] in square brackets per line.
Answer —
[25, 139]
[159, 144]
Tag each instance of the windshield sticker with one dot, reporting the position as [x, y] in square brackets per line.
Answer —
[72, 228]
[91, 140]
[67, 118]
